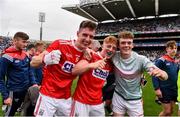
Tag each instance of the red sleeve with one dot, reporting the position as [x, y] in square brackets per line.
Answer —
[54, 46]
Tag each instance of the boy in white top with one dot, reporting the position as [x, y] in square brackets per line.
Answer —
[129, 66]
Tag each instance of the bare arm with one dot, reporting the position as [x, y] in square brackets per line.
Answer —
[83, 66]
[37, 60]
[154, 71]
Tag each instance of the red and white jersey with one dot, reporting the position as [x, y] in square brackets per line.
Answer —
[90, 84]
[57, 79]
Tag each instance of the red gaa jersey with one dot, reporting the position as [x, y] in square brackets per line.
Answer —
[90, 84]
[57, 79]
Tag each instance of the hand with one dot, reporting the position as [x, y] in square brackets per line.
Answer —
[8, 101]
[158, 93]
[88, 54]
[35, 85]
[52, 58]
[154, 71]
[98, 64]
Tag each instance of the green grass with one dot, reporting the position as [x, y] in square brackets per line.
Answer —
[150, 107]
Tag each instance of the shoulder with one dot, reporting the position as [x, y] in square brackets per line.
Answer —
[7, 56]
[161, 59]
[139, 56]
[65, 42]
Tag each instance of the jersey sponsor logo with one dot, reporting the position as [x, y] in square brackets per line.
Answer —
[99, 73]
[67, 66]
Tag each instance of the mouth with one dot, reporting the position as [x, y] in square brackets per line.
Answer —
[109, 54]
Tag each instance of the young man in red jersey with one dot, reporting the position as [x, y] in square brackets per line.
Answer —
[92, 77]
[59, 59]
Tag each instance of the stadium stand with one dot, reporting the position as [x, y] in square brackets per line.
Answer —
[151, 21]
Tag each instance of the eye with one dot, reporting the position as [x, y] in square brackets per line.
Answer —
[84, 35]
[129, 43]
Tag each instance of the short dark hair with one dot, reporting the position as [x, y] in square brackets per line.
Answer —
[88, 24]
[22, 35]
[30, 46]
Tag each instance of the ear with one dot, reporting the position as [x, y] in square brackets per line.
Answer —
[14, 40]
[77, 33]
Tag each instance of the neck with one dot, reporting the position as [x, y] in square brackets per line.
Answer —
[16, 48]
[125, 56]
[172, 56]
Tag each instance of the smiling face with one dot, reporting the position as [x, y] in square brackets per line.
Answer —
[109, 47]
[85, 34]
[85, 37]
[125, 46]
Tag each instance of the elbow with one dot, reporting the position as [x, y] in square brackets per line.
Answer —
[32, 64]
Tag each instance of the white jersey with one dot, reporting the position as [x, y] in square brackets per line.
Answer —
[128, 74]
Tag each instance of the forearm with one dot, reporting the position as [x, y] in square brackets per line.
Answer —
[81, 68]
[37, 60]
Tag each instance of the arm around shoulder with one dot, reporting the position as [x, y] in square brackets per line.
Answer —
[38, 60]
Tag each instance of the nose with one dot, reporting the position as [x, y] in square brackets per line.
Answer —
[126, 44]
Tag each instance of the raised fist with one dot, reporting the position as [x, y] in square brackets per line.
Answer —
[52, 58]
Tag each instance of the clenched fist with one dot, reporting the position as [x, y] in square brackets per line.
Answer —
[52, 58]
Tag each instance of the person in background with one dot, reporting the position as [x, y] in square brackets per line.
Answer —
[15, 66]
[40, 47]
[95, 45]
[166, 91]
[31, 50]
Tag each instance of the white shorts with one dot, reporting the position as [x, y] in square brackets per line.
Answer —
[132, 107]
[85, 110]
[48, 106]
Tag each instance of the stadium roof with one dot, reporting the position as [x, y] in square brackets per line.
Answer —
[103, 10]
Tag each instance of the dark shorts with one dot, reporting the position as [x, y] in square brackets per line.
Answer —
[108, 92]
[168, 96]
[108, 89]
